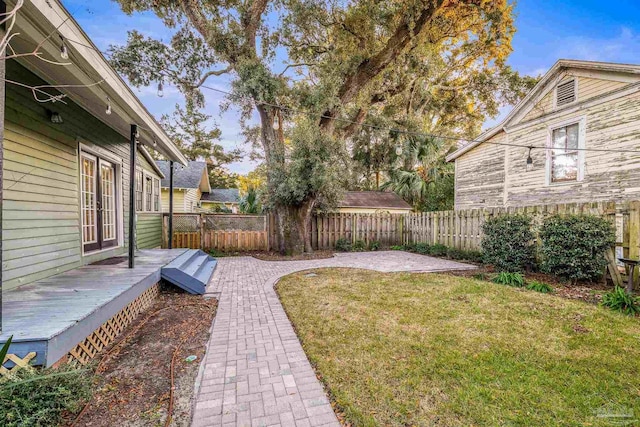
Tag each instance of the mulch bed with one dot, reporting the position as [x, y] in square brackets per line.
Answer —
[590, 292]
[276, 256]
[134, 377]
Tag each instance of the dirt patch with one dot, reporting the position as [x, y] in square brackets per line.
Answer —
[276, 256]
[590, 292]
[133, 379]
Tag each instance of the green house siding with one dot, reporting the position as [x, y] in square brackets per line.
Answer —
[149, 230]
[41, 211]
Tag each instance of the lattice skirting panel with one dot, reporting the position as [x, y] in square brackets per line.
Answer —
[107, 333]
[18, 362]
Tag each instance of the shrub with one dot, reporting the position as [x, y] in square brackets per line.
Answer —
[374, 246]
[573, 246]
[359, 246]
[397, 248]
[422, 248]
[473, 256]
[508, 242]
[343, 245]
[620, 300]
[539, 287]
[40, 398]
[509, 279]
[438, 250]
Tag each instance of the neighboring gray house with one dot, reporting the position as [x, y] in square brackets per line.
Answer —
[189, 183]
[221, 198]
[572, 139]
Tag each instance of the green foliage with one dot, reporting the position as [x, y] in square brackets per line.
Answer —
[359, 246]
[620, 300]
[421, 248]
[40, 398]
[250, 203]
[539, 287]
[343, 245]
[573, 246]
[398, 248]
[509, 279]
[438, 250]
[374, 246]
[312, 171]
[507, 242]
[5, 349]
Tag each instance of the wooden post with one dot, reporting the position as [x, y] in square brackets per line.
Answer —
[132, 194]
[170, 239]
[202, 227]
[3, 9]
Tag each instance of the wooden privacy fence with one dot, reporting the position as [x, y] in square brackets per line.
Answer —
[220, 232]
[460, 229]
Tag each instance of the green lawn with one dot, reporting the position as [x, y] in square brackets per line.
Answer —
[423, 350]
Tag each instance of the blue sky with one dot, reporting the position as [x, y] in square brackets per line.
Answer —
[546, 31]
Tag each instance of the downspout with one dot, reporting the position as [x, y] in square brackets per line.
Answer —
[132, 194]
[170, 237]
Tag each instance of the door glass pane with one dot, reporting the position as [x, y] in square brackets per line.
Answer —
[108, 201]
[88, 184]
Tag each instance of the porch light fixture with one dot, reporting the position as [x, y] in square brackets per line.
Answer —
[64, 52]
[108, 110]
[529, 161]
[160, 89]
[55, 118]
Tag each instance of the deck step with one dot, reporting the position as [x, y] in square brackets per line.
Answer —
[190, 271]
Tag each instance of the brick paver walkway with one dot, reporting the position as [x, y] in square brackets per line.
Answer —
[255, 372]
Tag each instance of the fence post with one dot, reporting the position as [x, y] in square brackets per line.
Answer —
[165, 231]
[202, 220]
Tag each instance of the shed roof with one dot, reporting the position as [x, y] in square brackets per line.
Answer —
[373, 199]
[222, 195]
[189, 176]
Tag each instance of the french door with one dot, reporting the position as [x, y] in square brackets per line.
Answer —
[99, 213]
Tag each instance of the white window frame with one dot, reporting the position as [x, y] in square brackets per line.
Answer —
[94, 159]
[93, 150]
[146, 174]
[582, 127]
[555, 92]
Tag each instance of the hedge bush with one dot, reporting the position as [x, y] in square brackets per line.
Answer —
[573, 246]
[508, 243]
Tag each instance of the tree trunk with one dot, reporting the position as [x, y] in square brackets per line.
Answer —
[293, 227]
[293, 223]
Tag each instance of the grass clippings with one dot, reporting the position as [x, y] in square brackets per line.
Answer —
[441, 350]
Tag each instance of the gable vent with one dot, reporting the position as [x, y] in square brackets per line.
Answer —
[566, 93]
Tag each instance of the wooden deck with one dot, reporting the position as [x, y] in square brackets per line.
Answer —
[52, 315]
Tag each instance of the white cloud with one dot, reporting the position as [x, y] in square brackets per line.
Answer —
[623, 47]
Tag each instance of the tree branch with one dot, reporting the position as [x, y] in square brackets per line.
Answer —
[208, 74]
[369, 68]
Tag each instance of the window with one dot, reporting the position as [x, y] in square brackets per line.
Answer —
[156, 194]
[139, 189]
[148, 192]
[565, 93]
[564, 154]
